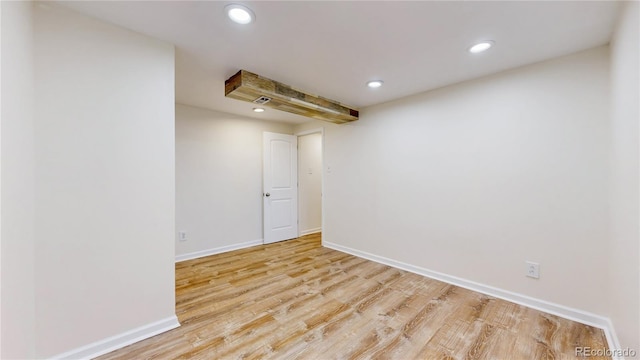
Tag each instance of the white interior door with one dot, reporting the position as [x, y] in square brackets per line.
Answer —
[280, 180]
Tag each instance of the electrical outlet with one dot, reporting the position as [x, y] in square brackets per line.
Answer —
[182, 235]
[533, 269]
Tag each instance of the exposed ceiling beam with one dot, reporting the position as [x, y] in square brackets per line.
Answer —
[247, 86]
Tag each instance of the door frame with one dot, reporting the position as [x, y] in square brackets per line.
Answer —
[320, 131]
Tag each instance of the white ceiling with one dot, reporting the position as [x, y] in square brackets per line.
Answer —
[331, 48]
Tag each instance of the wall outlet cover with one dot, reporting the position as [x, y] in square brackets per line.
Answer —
[533, 269]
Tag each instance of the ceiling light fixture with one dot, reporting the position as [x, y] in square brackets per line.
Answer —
[481, 46]
[375, 83]
[258, 110]
[239, 14]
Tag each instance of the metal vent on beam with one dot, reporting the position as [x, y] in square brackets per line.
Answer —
[261, 100]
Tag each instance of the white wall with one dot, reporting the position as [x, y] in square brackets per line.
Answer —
[625, 271]
[105, 180]
[17, 192]
[474, 179]
[310, 183]
[219, 179]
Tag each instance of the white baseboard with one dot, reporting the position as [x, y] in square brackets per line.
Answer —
[612, 338]
[218, 250]
[580, 316]
[109, 344]
[310, 231]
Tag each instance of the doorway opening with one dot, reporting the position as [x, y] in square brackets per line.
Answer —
[292, 185]
[310, 181]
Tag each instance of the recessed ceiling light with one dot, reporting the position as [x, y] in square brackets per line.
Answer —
[239, 13]
[258, 110]
[481, 46]
[374, 84]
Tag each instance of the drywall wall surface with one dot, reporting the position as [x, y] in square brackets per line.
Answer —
[17, 190]
[105, 180]
[474, 179]
[219, 179]
[625, 237]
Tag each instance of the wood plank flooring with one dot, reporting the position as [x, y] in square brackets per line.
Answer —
[299, 300]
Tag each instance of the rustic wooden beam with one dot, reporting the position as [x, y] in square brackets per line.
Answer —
[247, 86]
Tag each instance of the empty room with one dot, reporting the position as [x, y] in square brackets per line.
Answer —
[319, 180]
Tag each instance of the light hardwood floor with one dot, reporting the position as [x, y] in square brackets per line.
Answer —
[297, 299]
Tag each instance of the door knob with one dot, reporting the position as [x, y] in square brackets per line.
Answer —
[267, 194]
